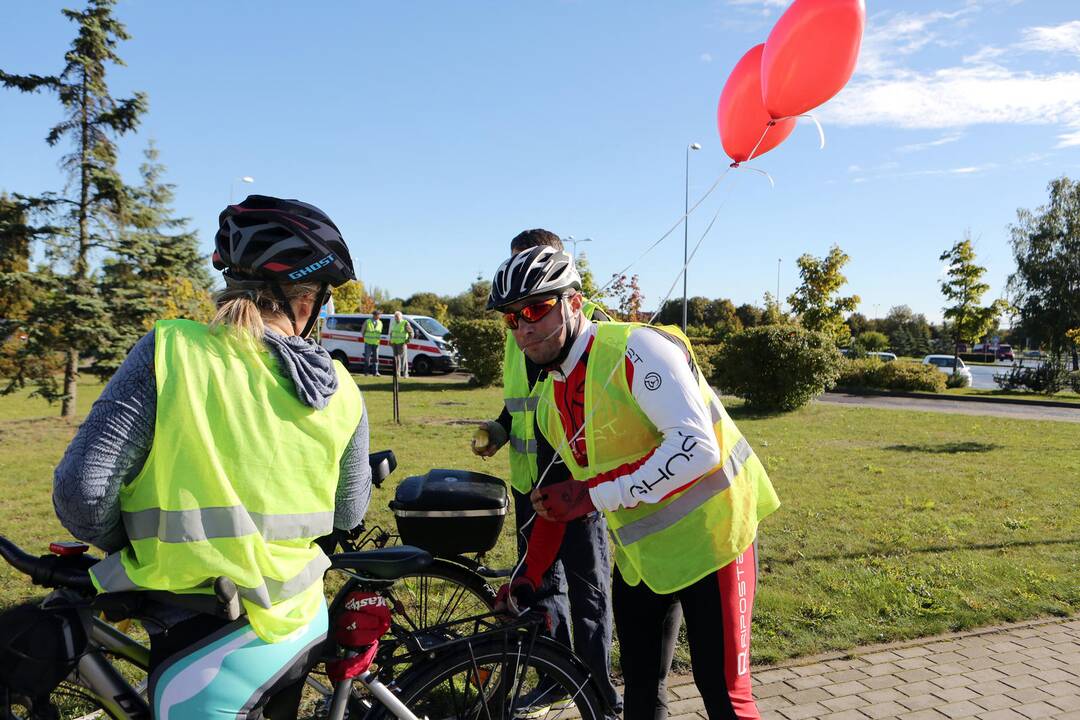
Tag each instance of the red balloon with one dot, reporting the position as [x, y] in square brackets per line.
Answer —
[741, 116]
[810, 54]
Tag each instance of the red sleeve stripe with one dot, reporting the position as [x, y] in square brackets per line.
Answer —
[624, 469]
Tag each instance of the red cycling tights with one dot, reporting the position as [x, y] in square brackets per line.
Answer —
[717, 610]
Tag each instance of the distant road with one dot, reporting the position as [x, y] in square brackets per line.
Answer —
[1017, 411]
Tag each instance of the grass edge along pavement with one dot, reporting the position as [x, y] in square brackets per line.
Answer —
[894, 524]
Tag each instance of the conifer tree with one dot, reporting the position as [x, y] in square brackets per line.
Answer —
[964, 288]
[70, 317]
[155, 271]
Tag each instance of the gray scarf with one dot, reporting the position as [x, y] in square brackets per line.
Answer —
[309, 366]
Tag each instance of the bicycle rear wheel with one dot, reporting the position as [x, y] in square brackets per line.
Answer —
[441, 593]
[504, 675]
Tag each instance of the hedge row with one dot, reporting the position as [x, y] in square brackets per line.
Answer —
[904, 375]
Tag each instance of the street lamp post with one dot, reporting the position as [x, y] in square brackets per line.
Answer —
[686, 231]
[778, 305]
[573, 243]
[232, 185]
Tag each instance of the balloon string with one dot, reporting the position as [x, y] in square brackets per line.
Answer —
[680, 221]
[761, 139]
[811, 118]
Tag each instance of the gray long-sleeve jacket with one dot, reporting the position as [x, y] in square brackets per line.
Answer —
[112, 445]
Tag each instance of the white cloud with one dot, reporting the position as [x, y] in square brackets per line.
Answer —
[1069, 139]
[981, 89]
[1058, 38]
[705, 57]
[958, 97]
[943, 140]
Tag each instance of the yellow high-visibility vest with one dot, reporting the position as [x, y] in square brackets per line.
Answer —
[240, 480]
[673, 543]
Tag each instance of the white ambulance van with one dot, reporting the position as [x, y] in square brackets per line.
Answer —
[343, 337]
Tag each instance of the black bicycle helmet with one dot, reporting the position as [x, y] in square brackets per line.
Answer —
[267, 241]
[541, 270]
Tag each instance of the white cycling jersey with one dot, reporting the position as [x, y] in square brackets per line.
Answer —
[666, 390]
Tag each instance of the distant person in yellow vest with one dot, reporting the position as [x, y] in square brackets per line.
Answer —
[400, 335]
[372, 338]
[228, 450]
[648, 443]
[575, 587]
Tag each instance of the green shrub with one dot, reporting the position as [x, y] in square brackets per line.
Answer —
[903, 375]
[479, 344]
[776, 367]
[860, 373]
[706, 357]
[912, 376]
[956, 380]
[1048, 378]
[1074, 381]
[873, 341]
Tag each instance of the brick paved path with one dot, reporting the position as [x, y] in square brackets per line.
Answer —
[1028, 671]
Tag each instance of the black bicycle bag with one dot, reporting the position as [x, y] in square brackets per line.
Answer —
[39, 647]
[450, 512]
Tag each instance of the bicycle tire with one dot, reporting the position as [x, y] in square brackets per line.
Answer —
[466, 593]
[537, 666]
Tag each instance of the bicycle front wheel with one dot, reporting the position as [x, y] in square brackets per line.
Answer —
[512, 675]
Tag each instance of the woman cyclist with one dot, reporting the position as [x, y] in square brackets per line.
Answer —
[228, 449]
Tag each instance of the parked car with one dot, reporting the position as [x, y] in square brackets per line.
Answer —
[343, 337]
[1001, 352]
[945, 364]
[883, 356]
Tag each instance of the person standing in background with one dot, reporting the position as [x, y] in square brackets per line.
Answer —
[372, 337]
[400, 335]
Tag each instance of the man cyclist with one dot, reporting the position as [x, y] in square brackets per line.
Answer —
[228, 449]
[647, 442]
[576, 587]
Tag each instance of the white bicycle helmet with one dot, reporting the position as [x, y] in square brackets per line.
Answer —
[540, 270]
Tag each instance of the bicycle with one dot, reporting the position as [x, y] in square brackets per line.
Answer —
[452, 587]
[471, 667]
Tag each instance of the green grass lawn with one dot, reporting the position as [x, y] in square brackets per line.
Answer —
[894, 525]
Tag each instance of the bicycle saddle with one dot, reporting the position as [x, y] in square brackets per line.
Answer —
[388, 563]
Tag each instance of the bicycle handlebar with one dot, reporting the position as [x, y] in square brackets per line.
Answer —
[47, 570]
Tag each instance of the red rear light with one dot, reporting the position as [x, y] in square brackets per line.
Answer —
[68, 548]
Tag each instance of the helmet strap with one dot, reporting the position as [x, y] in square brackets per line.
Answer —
[313, 318]
[320, 299]
[573, 330]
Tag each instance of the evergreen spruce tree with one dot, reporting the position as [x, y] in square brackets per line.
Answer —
[155, 271]
[71, 316]
[964, 288]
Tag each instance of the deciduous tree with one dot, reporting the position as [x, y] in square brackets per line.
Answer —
[817, 300]
[1046, 284]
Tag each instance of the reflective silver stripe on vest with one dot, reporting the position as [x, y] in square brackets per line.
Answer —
[273, 591]
[698, 494]
[522, 404]
[112, 577]
[178, 526]
[523, 446]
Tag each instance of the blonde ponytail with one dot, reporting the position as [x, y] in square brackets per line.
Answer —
[244, 310]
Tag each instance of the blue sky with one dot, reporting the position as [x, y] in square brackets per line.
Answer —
[433, 132]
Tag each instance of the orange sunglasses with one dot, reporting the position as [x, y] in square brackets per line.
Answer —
[531, 313]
